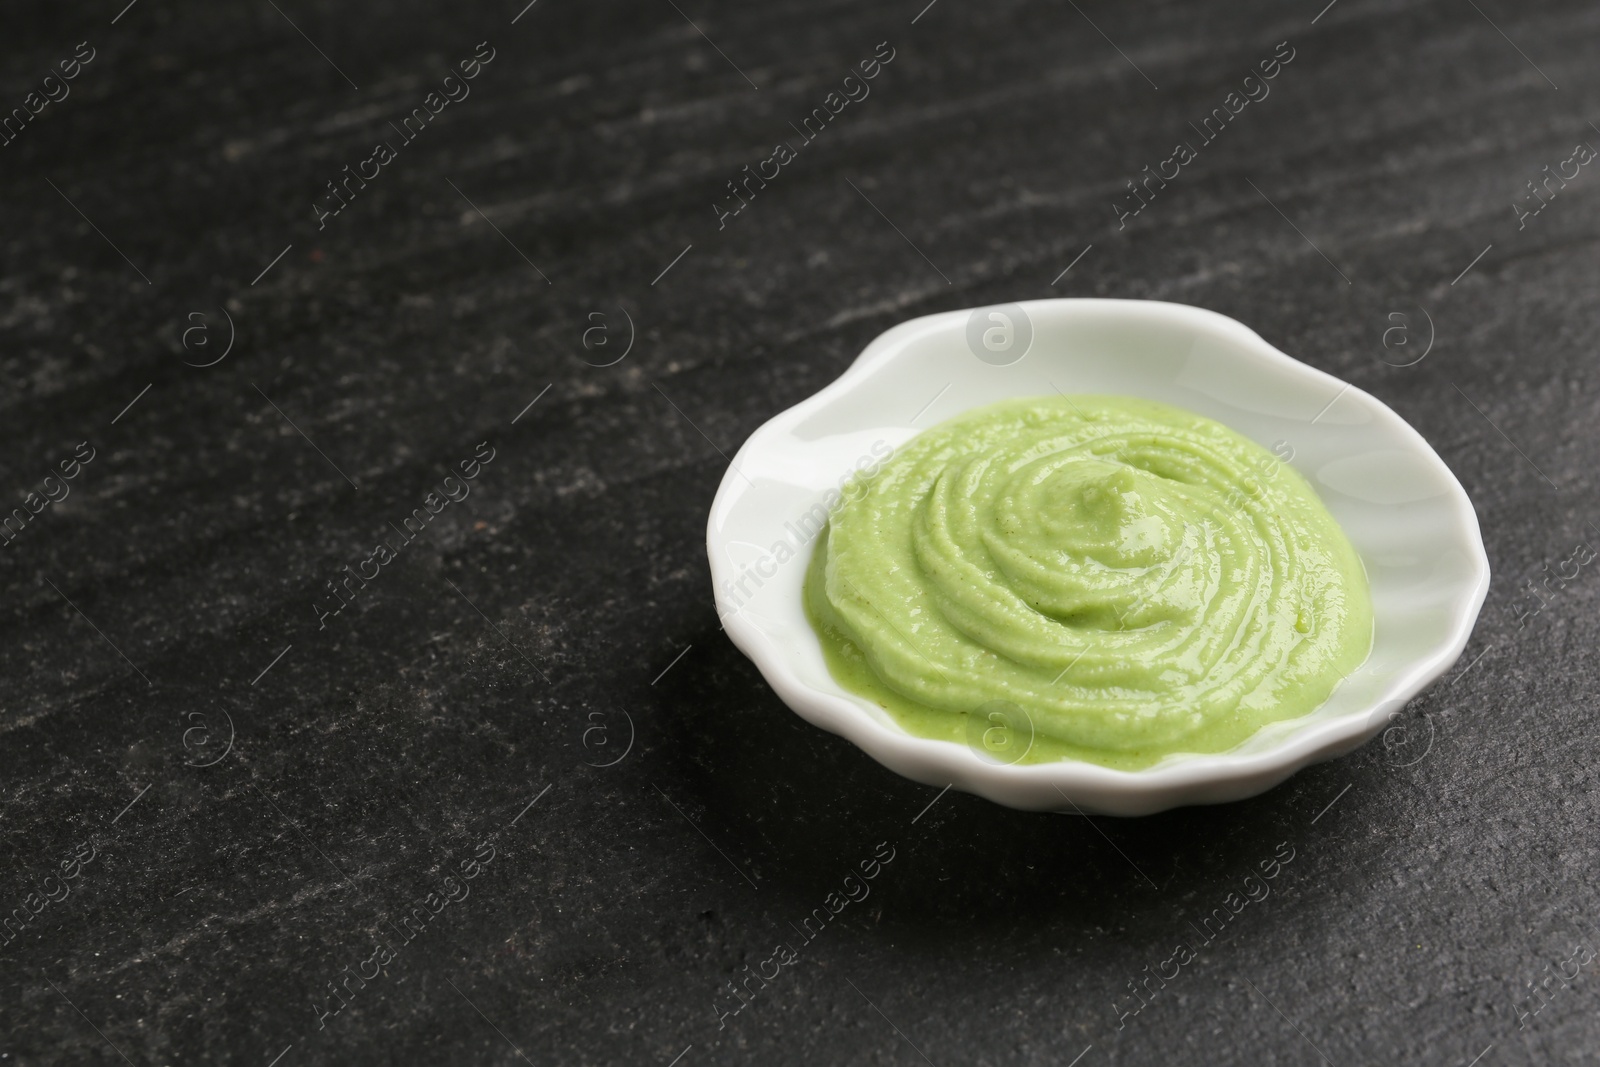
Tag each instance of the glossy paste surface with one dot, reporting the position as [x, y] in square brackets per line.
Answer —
[1098, 578]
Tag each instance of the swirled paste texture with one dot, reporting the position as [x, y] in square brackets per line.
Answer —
[1137, 579]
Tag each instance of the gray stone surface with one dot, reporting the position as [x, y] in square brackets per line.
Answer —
[211, 892]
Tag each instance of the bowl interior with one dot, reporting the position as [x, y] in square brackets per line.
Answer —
[1401, 507]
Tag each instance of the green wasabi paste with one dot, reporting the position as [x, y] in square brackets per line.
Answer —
[1138, 580]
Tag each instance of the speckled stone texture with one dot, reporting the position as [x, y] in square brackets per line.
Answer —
[248, 821]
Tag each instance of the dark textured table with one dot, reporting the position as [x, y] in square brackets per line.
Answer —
[278, 275]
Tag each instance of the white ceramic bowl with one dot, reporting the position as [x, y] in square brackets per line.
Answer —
[1399, 504]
